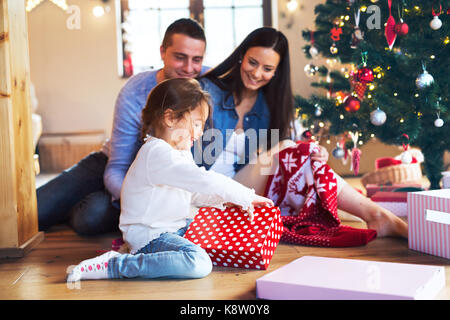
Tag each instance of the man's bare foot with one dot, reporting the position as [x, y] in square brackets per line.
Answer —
[388, 225]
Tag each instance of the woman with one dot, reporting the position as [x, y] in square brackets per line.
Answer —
[251, 90]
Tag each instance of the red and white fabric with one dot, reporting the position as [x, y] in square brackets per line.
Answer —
[306, 193]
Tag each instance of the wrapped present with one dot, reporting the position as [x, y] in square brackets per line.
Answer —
[396, 202]
[371, 189]
[231, 240]
[320, 278]
[429, 222]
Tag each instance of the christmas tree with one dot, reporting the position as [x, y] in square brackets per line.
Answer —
[392, 79]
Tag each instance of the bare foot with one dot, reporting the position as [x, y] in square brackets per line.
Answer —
[388, 225]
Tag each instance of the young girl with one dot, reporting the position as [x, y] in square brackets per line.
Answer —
[161, 184]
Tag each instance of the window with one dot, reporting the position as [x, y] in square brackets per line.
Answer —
[226, 23]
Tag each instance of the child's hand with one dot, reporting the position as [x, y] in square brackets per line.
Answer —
[321, 156]
[259, 201]
[230, 205]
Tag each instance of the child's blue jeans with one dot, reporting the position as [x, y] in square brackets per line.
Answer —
[168, 256]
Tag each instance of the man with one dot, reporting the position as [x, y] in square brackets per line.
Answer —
[87, 194]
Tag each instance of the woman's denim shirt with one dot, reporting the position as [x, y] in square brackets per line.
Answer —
[224, 121]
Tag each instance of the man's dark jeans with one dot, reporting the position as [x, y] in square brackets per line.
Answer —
[78, 196]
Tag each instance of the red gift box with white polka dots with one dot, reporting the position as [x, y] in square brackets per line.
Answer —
[231, 240]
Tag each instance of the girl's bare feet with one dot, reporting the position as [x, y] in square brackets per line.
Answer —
[387, 224]
[378, 218]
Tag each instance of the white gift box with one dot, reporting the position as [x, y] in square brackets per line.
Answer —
[429, 222]
[320, 278]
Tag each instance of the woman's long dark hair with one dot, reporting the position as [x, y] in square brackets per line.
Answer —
[277, 92]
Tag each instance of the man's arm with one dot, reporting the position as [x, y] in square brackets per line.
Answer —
[124, 141]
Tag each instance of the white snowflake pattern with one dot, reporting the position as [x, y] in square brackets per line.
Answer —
[310, 198]
[320, 186]
[289, 161]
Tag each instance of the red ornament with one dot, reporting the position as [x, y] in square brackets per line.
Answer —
[128, 65]
[401, 28]
[389, 28]
[351, 104]
[336, 34]
[365, 75]
[306, 135]
[356, 158]
[358, 87]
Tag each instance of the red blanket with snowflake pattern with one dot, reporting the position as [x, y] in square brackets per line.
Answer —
[306, 193]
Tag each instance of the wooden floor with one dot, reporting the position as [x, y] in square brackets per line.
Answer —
[42, 273]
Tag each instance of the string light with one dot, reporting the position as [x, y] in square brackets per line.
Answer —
[98, 11]
[402, 120]
[341, 116]
[292, 5]
[446, 40]
[377, 69]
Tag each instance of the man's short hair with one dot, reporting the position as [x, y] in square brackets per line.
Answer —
[188, 27]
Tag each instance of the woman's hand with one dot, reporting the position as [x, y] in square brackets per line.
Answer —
[321, 156]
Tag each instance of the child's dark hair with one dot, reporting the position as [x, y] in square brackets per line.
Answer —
[180, 95]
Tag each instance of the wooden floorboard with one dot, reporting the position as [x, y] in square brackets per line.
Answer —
[42, 273]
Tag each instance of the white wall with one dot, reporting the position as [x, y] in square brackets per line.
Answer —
[75, 71]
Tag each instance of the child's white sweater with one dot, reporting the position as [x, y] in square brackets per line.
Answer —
[160, 187]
